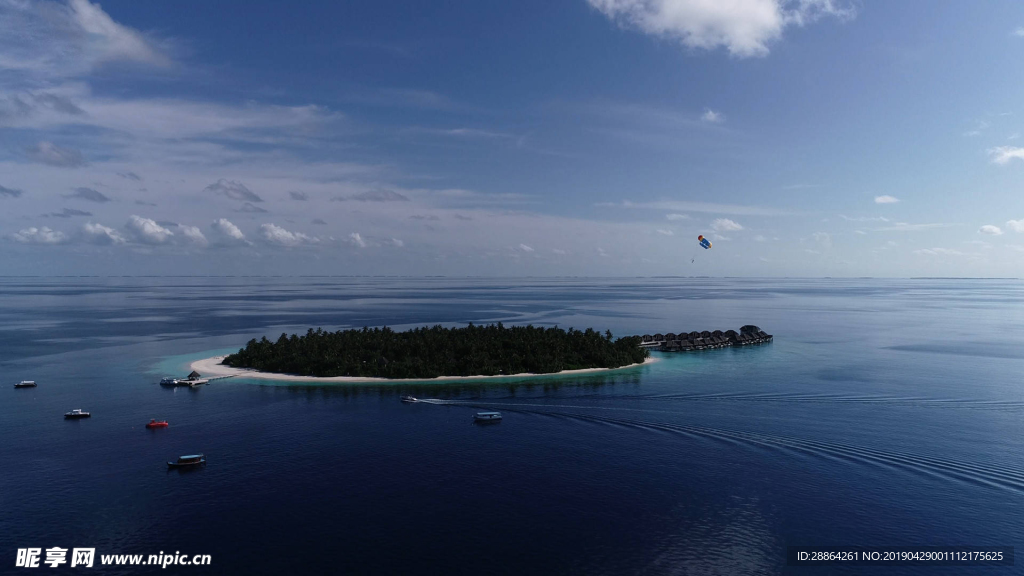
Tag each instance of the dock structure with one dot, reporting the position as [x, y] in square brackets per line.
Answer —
[690, 341]
[192, 380]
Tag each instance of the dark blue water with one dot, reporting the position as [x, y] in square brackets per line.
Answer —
[886, 412]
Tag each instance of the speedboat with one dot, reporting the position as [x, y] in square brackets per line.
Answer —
[75, 414]
[190, 460]
[154, 424]
[409, 399]
[487, 417]
[168, 381]
[26, 384]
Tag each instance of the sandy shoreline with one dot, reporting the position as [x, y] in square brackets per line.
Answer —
[211, 367]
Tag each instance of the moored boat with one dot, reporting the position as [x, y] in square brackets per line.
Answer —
[26, 384]
[75, 414]
[190, 460]
[487, 417]
[155, 424]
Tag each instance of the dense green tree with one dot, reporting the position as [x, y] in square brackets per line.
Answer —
[430, 352]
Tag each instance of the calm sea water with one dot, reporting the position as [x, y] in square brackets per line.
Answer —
[886, 412]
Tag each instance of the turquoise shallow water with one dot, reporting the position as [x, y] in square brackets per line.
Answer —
[886, 412]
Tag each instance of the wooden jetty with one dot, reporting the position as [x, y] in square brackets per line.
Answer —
[690, 341]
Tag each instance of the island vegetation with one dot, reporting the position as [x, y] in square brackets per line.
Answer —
[432, 352]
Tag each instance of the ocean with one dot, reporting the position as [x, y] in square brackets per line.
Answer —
[885, 413]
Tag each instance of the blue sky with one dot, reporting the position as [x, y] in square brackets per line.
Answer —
[569, 137]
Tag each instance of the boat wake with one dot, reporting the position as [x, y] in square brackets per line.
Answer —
[1006, 477]
[912, 401]
[967, 403]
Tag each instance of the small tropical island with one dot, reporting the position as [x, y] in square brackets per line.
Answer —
[438, 352]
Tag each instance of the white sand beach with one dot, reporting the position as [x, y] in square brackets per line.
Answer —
[212, 367]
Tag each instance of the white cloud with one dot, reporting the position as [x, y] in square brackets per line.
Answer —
[102, 235]
[601, 252]
[979, 128]
[711, 116]
[42, 235]
[1019, 32]
[759, 238]
[51, 39]
[725, 225]
[1004, 154]
[743, 27]
[398, 243]
[938, 252]
[356, 239]
[193, 234]
[378, 195]
[676, 217]
[665, 232]
[274, 234]
[1015, 225]
[233, 190]
[861, 232]
[559, 251]
[706, 207]
[822, 239]
[147, 231]
[864, 218]
[907, 227]
[52, 155]
[990, 230]
[227, 232]
[114, 41]
[525, 248]
[886, 199]
[90, 194]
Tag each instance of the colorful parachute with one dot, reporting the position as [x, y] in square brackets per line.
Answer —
[704, 242]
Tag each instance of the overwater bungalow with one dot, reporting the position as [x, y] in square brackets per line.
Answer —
[706, 340]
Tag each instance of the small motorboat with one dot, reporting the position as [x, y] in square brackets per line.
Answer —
[485, 417]
[154, 424]
[168, 381]
[26, 384]
[409, 399]
[76, 414]
[190, 460]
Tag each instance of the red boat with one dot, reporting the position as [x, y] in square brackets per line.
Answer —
[154, 424]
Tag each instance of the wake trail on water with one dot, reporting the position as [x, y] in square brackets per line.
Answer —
[912, 401]
[844, 399]
[1007, 477]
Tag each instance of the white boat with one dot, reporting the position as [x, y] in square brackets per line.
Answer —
[75, 414]
[487, 417]
[26, 384]
[409, 399]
